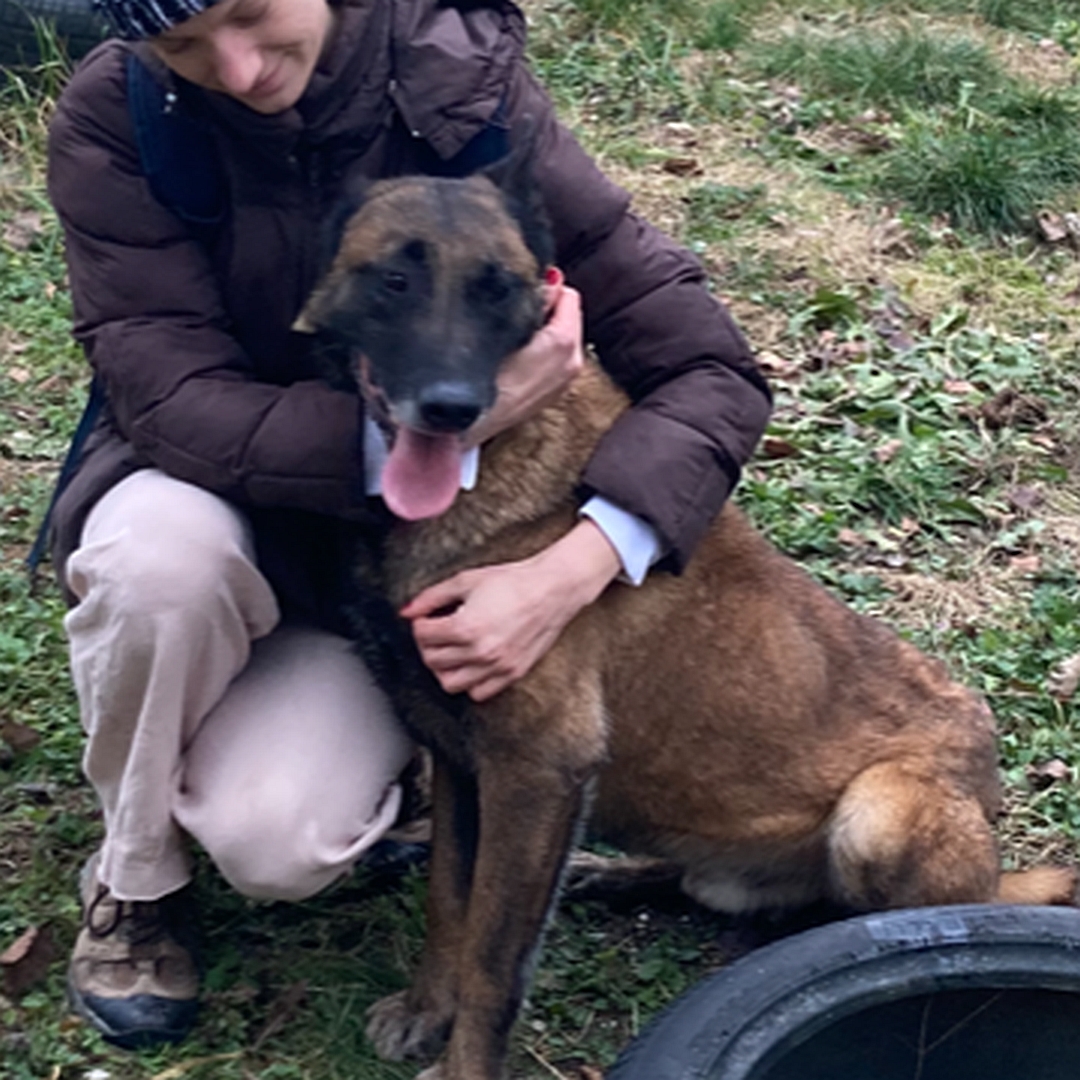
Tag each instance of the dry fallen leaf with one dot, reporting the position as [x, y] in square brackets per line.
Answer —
[23, 229]
[776, 366]
[1052, 227]
[773, 447]
[958, 386]
[1041, 776]
[1025, 564]
[1010, 408]
[1064, 678]
[1024, 499]
[850, 538]
[25, 962]
[887, 451]
[19, 737]
[682, 166]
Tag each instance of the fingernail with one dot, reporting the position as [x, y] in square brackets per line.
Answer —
[553, 276]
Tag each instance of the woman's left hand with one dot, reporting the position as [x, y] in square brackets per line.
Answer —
[537, 374]
[483, 629]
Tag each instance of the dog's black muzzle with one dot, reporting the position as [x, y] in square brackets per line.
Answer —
[449, 407]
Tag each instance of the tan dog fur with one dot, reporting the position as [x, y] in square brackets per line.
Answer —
[737, 719]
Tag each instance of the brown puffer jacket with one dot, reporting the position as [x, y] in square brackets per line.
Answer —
[191, 336]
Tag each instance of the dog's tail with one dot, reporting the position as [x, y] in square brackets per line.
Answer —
[1040, 885]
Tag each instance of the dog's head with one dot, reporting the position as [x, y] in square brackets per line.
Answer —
[435, 282]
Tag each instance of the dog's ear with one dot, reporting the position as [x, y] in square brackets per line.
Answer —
[513, 175]
[331, 235]
[312, 317]
[333, 229]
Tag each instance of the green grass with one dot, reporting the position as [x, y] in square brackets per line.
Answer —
[895, 68]
[889, 438]
[1018, 154]
[884, 473]
[969, 142]
[960, 137]
[711, 210]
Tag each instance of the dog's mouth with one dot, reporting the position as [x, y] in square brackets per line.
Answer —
[423, 470]
[422, 473]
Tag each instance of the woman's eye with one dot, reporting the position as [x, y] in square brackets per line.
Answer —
[396, 282]
[173, 48]
[248, 14]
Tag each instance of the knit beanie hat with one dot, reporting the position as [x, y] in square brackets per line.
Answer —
[137, 19]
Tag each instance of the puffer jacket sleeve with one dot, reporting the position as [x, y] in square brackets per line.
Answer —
[150, 316]
[700, 404]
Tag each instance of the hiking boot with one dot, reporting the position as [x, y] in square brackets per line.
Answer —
[133, 973]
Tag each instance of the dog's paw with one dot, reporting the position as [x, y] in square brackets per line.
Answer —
[436, 1072]
[398, 1030]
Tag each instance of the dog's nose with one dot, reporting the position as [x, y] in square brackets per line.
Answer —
[449, 406]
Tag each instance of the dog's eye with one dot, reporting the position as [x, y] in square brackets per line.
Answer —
[394, 281]
[493, 283]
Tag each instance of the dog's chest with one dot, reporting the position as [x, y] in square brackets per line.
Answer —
[525, 498]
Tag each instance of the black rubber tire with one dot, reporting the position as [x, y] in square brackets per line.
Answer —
[758, 1018]
[77, 26]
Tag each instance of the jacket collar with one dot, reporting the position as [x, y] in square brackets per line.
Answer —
[452, 66]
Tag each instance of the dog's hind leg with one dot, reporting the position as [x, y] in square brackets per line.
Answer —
[417, 1022]
[903, 836]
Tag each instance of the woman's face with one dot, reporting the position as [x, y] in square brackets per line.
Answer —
[261, 52]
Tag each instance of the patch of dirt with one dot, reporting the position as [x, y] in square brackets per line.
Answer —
[922, 602]
[1043, 62]
[1025, 837]
[1062, 521]
[16, 846]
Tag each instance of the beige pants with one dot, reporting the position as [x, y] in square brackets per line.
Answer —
[268, 743]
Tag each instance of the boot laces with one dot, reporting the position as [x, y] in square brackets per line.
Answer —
[142, 921]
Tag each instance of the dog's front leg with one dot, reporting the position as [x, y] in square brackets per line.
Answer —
[416, 1022]
[528, 818]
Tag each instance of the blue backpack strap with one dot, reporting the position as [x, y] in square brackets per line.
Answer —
[181, 165]
[178, 155]
[489, 145]
[94, 404]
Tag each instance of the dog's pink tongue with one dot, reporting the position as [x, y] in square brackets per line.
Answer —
[422, 474]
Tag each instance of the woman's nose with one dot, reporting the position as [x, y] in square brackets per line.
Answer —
[237, 61]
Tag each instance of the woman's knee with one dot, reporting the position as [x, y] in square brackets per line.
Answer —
[276, 852]
[154, 545]
[293, 775]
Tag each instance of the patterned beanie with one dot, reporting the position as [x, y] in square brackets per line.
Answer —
[137, 19]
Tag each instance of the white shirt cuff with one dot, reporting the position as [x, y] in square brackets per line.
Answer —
[635, 541]
[376, 452]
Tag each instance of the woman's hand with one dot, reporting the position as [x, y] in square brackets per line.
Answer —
[482, 630]
[536, 375]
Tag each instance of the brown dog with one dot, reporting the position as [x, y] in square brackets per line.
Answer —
[737, 719]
